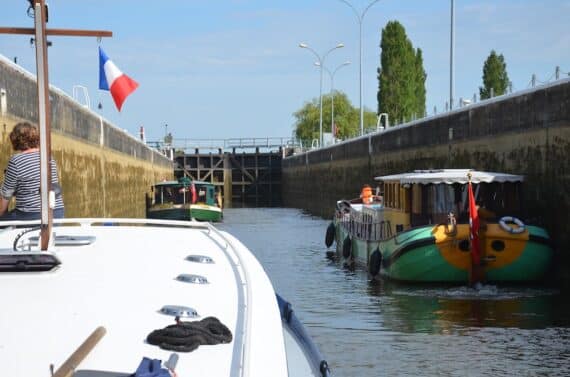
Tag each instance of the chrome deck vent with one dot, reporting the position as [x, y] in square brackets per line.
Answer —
[179, 311]
[199, 259]
[189, 278]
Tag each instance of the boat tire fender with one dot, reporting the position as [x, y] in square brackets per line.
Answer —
[329, 237]
[324, 368]
[288, 312]
[504, 223]
[347, 248]
[375, 262]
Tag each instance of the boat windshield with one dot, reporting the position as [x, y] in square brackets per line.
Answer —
[206, 193]
[175, 194]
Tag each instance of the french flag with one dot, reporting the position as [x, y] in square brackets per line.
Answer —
[112, 79]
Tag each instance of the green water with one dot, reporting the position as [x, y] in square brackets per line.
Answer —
[379, 328]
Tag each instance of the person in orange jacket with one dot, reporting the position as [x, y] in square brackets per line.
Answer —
[366, 194]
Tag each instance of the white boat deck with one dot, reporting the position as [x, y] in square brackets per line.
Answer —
[121, 281]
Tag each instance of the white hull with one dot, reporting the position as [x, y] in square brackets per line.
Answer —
[121, 281]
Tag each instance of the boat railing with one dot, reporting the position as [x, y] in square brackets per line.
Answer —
[242, 355]
[366, 224]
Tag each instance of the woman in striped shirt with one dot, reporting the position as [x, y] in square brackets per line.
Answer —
[22, 177]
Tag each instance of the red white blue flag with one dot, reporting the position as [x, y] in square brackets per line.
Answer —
[112, 79]
[474, 228]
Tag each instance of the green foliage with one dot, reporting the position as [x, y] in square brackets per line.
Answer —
[420, 83]
[346, 118]
[370, 119]
[401, 76]
[494, 76]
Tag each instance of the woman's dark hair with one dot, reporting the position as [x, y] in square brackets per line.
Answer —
[24, 136]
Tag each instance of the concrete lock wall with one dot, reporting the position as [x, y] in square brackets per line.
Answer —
[103, 170]
[526, 133]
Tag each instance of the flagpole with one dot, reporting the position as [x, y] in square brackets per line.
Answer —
[44, 124]
[476, 274]
[40, 32]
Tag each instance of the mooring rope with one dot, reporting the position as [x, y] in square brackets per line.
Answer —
[187, 336]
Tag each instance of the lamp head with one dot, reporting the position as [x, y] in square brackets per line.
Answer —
[340, 45]
[303, 45]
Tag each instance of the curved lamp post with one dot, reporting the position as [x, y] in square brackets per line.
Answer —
[321, 62]
[360, 17]
[331, 74]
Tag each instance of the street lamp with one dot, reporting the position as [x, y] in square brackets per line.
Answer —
[452, 28]
[321, 61]
[360, 17]
[331, 74]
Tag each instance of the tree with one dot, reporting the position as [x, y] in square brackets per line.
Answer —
[345, 118]
[420, 83]
[401, 76]
[370, 119]
[494, 76]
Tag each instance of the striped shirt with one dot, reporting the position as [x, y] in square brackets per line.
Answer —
[22, 180]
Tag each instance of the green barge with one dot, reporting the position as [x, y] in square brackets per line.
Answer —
[184, 200]
[421, 231]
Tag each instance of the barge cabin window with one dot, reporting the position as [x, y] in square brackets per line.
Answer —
[175, 194]
[432, 203]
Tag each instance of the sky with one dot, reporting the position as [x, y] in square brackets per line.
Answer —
[234, 69]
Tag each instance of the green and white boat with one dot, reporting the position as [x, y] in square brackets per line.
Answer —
[421, 232]
[184, 200]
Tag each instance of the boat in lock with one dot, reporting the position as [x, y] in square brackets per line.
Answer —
[448, 226]
[184, 199]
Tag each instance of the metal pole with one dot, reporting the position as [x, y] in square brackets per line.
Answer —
[451, 57]
[321, 106]
[332, 74]
[360, 18]
[44, 123]
[360, 75]
[332, 105]
[321, 65]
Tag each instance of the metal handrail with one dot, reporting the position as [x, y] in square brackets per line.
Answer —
[214, 144]
[365, 225]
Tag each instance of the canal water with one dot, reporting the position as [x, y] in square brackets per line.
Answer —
[376, 328]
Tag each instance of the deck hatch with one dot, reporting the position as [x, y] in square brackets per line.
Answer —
[66, 240]
[200, 259]
[189, 278]
[28, 262]
[179, 311]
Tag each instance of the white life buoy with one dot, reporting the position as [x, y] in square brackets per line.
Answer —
[504, 223]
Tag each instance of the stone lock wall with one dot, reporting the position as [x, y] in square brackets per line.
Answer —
[104, 172]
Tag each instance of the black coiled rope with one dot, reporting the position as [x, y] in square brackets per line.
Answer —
[187, 336]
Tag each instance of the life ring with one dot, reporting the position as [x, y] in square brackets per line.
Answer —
[347, 248]
[375, 262]
[329, 237]
[503, 222]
